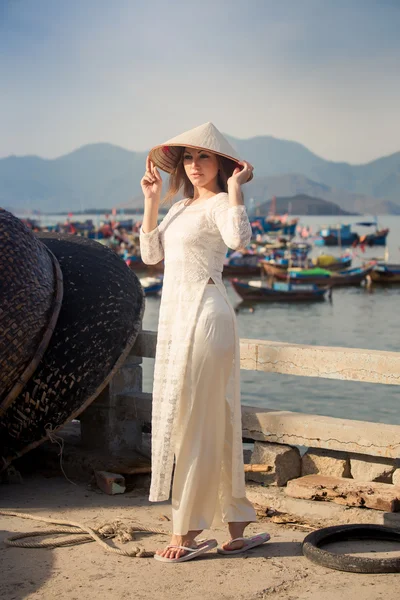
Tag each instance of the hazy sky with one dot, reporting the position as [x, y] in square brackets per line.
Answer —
[325, 73]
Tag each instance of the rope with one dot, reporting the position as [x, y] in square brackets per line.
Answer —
[55, 439]
[82, 534]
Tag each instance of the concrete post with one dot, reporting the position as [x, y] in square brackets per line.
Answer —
[104, 424]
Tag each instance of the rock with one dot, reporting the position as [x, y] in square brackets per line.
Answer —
[284, 460]
[380, 496]
[370, 468]
[110, 483]
[317, 461]
[396, 477]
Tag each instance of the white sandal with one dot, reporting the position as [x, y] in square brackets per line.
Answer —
[251, 542]
[191, 552]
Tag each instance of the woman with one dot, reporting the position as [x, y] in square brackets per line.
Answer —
[196, 394]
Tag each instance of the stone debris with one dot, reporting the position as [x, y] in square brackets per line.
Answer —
[380, 496]
[396, 477]
[110, 483]
[317, 461]
[284, 460]
[371, 468]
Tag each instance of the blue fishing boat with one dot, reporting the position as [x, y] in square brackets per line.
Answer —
[273, 224]
[279, 291]
[342, 235]
[239, 263]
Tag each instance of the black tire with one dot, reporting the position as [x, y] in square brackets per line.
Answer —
[347, 562]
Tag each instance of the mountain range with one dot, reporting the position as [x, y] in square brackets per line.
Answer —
[301, 204]
[104, 175]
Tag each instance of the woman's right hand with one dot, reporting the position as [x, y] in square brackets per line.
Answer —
[151, 182]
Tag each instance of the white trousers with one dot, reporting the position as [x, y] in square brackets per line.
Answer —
[202, 485]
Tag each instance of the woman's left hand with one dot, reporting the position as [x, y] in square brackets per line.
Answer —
[241, 175]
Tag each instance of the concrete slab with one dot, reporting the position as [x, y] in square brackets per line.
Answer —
[314, 431]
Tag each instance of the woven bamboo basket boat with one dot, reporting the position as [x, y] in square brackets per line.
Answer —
[97, 326]
[31, 290]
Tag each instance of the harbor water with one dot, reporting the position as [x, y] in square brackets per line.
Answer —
[356, 317]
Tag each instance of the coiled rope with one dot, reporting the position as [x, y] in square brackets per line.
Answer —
[82, 534]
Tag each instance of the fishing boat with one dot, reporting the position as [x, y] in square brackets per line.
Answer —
[136, 264]
[242, 264]
[332, 263]
[274, 223]
[152, 286]
[279, 291]
[318, 276]
[278, 268]
[342, 235]
[285, 228]
[385, 273]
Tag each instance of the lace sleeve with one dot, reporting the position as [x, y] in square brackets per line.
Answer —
[151, 248]
[232, 222]
[151, 244]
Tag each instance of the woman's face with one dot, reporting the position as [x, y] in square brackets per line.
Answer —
[201, 166]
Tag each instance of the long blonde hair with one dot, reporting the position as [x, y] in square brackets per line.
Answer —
[178, 180]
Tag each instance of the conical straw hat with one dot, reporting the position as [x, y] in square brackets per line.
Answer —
[166, 155]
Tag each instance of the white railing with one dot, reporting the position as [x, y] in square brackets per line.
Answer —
[116, 419]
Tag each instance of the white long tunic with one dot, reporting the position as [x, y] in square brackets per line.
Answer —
[193, 242]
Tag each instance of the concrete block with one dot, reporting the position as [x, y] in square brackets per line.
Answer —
[370, 468]
[396, 477]
[350, 364]
[145, 344]
[321, 514]
[284, 460]
[317, 461]
[110, 483]
[380, 496]
[315, 431]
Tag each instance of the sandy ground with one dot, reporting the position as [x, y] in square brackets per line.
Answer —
[276, 570]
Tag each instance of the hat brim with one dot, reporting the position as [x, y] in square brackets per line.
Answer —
[97, 326]
[166, 156]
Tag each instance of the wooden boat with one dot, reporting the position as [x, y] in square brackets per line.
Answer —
[136, 264]
[274, 269]
[318, 276]
[274, 224]
[244, 265]
[325, 261]
[332, 263]
[279, 268]
[279, 291]
[342, 235]
[152, 286]
[385, 273]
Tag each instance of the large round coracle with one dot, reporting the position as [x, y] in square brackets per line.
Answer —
[98, 324]
[31, 290]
